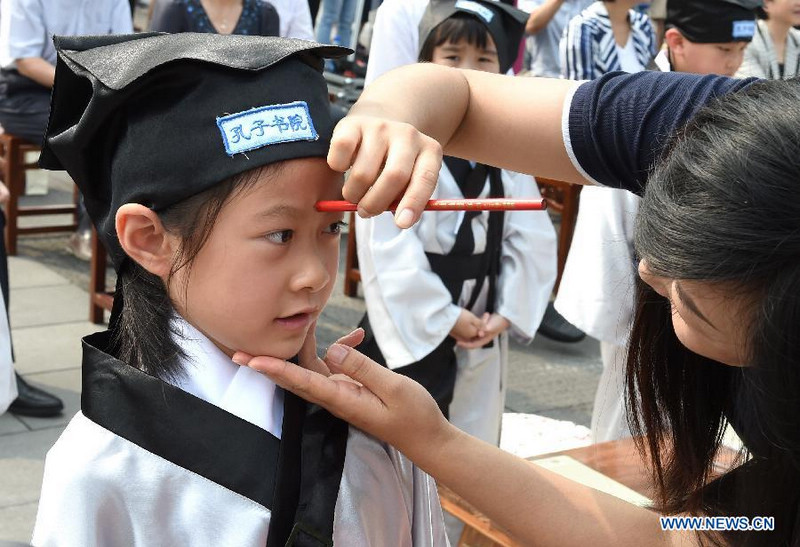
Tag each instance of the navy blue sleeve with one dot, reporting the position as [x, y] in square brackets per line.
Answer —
[618, 124]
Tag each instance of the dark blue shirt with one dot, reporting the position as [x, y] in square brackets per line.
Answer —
[619, 123]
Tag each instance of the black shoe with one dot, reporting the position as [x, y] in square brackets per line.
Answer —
[555, 327]
[32, 401]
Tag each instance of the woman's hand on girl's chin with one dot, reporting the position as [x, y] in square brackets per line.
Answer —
[387, 160]
[385, 404]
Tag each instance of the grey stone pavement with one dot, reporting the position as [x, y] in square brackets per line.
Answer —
[49, 314]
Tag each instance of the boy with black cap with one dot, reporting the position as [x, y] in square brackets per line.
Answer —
[707, 36]
[201, 158]
[466, 279]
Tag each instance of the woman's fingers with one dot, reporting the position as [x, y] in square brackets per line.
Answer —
[421, 187]
[387, 160]
[344, 144]
[353, 338]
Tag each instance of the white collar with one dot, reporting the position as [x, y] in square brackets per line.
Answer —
[211, 375]
[662, 61]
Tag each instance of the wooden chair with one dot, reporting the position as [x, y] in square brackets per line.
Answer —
[100, 299]
[562, 198]
[12, 171]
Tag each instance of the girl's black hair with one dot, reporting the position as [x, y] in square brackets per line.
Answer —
[723, 206]
[460, 26]
[144, 337]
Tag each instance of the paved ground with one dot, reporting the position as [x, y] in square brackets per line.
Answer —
[49, 310]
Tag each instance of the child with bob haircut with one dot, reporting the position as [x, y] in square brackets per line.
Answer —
[443, 313]
[201, 158]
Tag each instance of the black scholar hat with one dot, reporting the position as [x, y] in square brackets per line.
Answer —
[505, 24]
[157, 118]
[713, 21]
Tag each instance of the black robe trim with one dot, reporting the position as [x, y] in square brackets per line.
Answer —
[296, 478]
[176, 425]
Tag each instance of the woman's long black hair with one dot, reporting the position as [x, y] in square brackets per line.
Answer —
[723, 206]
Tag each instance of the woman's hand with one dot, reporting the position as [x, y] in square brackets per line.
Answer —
[389, 406]
[387, 160]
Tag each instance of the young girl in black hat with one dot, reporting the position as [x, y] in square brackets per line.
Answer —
[467, 280]
[201, 158]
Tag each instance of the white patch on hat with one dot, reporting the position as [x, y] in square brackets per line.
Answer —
[744, 29]
[266, 125]
[473, 7]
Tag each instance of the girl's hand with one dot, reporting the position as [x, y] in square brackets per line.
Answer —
[386, 160]
[389, 406]
[468, 327]
[493, 325]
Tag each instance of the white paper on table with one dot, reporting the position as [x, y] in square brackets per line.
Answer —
[574, 470]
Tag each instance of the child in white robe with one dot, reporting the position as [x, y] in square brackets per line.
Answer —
[201, 157]
[442, 296]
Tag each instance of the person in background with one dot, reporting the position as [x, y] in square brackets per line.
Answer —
[471, 278]
[606, 37]
[295, 16]
[27, 73]
[395, 42]
[341, 14]
[603, 305]
[254, 17]
[545, 26]
[775, 50]
[706, 36]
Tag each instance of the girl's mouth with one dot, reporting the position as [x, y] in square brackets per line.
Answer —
[296, 321]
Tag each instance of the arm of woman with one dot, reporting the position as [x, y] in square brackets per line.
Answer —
[536, 506]
[609, 131]
[485, 117]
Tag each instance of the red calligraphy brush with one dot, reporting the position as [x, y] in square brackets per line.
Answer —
[496, 204]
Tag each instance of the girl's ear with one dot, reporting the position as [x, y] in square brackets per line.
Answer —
[144, 239]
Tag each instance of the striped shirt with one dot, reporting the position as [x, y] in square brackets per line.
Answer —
[588, 48]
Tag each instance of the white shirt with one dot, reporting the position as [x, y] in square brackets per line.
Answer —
[627, 57]
[211, 375]
[27, 26]
[295, 19]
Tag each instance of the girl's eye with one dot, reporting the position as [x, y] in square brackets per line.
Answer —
[280, 237]
[336, 227]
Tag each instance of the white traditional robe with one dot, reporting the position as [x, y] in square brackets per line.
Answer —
[411, 311]
[197, 466]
